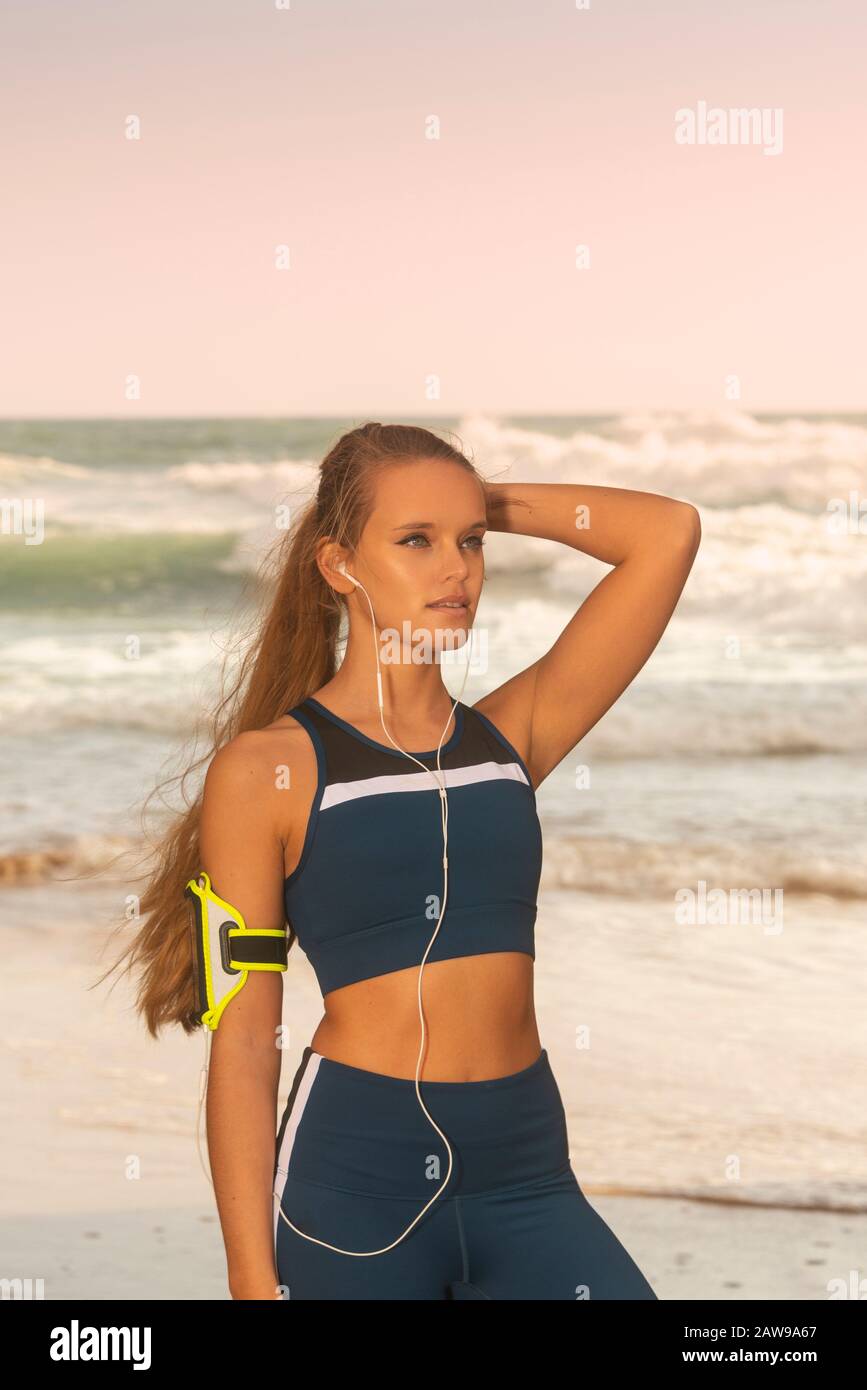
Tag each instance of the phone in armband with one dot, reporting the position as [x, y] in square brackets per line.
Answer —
[225, 950]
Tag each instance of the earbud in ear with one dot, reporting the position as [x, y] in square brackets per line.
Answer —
[341, 569]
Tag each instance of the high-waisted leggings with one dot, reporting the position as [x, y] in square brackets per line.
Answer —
[357, 1160]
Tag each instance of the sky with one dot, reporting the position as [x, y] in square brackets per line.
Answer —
[282, 236]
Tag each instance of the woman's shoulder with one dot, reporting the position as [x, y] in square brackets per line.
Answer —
[249, 776]
[257, 754]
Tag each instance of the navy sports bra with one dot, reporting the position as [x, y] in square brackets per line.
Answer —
[366, 895]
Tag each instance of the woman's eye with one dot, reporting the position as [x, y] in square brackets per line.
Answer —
[419, 536]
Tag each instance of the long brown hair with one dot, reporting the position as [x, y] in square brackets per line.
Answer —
[293, 651]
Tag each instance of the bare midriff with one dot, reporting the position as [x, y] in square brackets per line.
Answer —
[479, 1020]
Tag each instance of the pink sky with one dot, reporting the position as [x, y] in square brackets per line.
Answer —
[413, 258]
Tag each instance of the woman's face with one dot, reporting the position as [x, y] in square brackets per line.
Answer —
[422, 543]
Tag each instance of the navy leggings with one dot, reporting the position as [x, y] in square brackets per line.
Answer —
[357, 1160]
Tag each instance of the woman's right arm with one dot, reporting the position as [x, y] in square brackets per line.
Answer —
[242, 852]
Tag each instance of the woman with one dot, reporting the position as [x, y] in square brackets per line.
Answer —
[311, 813]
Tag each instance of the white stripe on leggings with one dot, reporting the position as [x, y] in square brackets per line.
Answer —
[301, 1097]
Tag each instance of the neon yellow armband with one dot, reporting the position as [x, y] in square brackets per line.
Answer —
[225, 950]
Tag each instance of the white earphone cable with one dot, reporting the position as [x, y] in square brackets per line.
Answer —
[444, 818]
